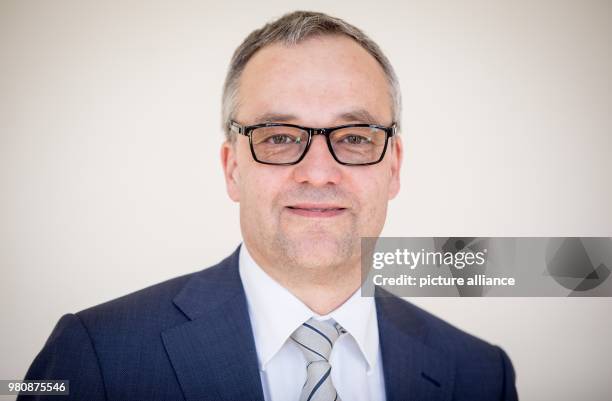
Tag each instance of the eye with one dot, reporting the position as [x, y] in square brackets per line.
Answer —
[356, 140]
[282, 139]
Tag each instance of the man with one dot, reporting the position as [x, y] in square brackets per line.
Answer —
[311, 110]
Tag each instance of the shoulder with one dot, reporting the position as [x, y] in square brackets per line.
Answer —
[428, 328]
[154, 308]
[104, 349]
[149, 305]
[477, 366]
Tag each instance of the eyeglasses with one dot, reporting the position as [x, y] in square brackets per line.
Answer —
[287, 144]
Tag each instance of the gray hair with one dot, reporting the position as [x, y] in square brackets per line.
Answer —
[292, 29]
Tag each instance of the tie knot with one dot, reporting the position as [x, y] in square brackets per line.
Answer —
[316, 338]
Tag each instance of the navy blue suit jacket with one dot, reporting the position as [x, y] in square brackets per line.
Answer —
[190, 338]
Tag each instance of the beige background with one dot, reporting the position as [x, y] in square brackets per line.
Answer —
[110, 177]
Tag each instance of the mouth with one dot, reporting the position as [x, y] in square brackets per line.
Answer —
[316, 210]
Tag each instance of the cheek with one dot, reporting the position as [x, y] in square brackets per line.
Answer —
[259, 190]
[372, 193]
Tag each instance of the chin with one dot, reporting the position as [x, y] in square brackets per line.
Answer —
[320, 250]
[317, 262]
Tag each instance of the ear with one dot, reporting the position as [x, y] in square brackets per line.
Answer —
[230, 170]
[397, 153]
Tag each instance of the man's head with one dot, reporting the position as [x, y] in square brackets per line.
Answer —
[311, 70]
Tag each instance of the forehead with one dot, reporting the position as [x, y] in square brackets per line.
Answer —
[316, 81]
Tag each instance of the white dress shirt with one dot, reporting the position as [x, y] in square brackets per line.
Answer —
[275, 313]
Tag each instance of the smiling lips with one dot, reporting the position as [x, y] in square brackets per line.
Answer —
[316, 210]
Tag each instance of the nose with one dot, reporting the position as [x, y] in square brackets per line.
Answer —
[318, 166]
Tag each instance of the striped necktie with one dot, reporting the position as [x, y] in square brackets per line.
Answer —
[316, 339]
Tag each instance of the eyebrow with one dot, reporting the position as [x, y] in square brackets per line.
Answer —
[356, 115]
[274, 118]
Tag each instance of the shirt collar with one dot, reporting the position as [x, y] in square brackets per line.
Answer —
[275, 313]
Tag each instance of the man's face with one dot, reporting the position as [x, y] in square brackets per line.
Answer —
[311, 215]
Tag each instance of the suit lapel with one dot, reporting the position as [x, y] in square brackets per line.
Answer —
[213, 354]
[412, 370]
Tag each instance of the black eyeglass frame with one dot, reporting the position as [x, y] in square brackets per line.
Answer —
[246, 130]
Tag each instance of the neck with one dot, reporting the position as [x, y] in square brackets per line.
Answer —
[323, 295]
[323, 290]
